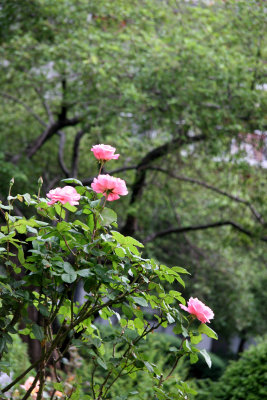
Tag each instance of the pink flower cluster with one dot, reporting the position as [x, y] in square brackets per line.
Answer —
[67, 194]
[199, 309]
[35, 389]
[104, 152]
[28, 384]
[110, 186]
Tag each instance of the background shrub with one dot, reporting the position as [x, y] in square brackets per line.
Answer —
[244, 379]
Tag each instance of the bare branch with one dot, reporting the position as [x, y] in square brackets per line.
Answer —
[256, 214]
[201, 227]
[29, 109]
[139, 182]
[62, 139]
[47, 134]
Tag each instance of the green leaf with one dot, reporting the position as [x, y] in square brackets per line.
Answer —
[69, 278]
[120, 252]
[186, 345]
[203, 328]
[119, 237]
[141, 301]
[206, 357]
[63, 226]
[170, 319]
[173, 349]
[84, 272]
[38, 332]
[72, 180]
[193, 358]
[180, 270]
[43, 310]
[68, 268]
[130, 240]
[138, 323]
[108, 216]
[149, 366]
[21, 255]
[70, 207]
[196, 339]
[101, 363]
[127, 311]
[58, 386]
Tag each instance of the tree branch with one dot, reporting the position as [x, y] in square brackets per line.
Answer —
[201, 227]
[47, 134]
[75, 153]
[62, 139]
[256, 214]
[139, 182]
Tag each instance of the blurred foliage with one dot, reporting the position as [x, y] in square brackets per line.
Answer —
[244, 379]
[16, 360]
[159, 349]
[138, 75]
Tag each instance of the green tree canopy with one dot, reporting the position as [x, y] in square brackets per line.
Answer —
[172, 84]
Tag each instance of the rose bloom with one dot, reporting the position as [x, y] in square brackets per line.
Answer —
[28, 384]
[67, 194]
[104, 152]
[199, 309]
[58, 393]
[111, 187]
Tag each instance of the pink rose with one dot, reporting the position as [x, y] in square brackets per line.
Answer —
[104, 152]
[68, 194]
[28, 384]
[111, 187]
[197, 308]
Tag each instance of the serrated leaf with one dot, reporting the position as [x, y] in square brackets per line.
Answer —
[196, 339]
[149, 366]
[203, 328]
[193, 358]
[120, 252]
[170, 319]
[131, 240]
[119, 237]
[69, 278]
[138, 323]
[206, 357]
[181, 270]
[141, 301]
[68, 268]
[38, 332]
[101, 363]
[21, 255]
[186, 345]
[72, 180]
[107, 217]
[85, 272]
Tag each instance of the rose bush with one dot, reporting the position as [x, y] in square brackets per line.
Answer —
[59, 254]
